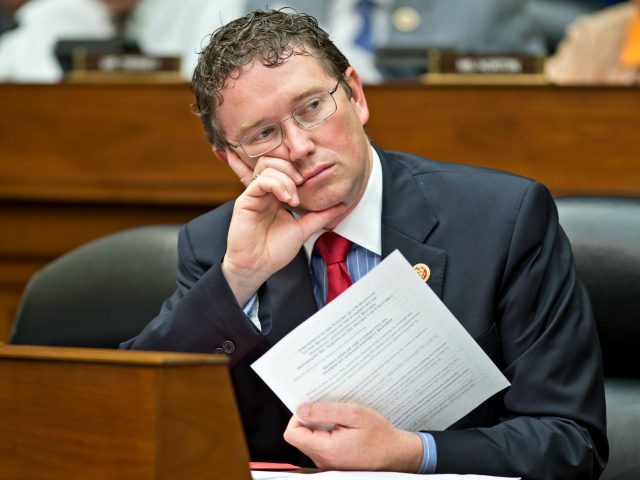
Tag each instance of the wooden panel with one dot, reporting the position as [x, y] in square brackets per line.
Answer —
[134, 143]
[575, 140]
[140, 144]
[44, 230]
[70, 413]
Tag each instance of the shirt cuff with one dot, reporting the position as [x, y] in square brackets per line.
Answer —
[251, 311]
[429, 455]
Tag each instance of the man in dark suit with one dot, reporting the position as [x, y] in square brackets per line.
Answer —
[285, 110]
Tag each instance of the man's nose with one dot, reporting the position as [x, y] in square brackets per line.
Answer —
[296, 139]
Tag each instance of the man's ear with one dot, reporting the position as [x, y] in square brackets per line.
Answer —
[221, 154]
[357, 94]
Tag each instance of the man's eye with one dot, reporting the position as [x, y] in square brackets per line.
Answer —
[310, 108]
[263, 134]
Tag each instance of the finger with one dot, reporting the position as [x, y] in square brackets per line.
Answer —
[345, 414]
[243, 171]
[295, 431]
[294, 422]
[301, 436]
[313, 221]
[284, 166]
[276, 182]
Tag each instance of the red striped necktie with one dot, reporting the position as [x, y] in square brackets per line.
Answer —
[333, 249]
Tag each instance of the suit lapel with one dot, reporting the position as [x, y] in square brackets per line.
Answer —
[287, 298]
[407, 228]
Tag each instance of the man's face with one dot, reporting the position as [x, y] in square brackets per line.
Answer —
[334, 158]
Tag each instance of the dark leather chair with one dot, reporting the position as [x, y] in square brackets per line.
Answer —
[605, 235]
[101, 293]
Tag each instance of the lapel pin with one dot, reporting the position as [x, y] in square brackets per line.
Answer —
[422, 270]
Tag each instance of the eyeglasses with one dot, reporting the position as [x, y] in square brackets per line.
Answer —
[310, 114]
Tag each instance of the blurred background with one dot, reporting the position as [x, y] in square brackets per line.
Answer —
[384, 39]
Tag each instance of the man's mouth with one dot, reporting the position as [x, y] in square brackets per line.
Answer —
[315, 175]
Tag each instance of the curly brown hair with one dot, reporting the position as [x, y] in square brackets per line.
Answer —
[268, 36]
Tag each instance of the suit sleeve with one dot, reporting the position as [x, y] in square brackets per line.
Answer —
[201, 316]
[553, 424]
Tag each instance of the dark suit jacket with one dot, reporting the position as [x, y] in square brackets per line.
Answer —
[502, 265]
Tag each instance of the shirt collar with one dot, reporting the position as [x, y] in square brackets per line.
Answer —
[363, 224]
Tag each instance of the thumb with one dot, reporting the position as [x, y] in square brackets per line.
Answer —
[346, 414]
[350, 415]
[314, 221]
[313, 418]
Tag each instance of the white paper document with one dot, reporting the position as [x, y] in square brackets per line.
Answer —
[389, 343]
[259, 475]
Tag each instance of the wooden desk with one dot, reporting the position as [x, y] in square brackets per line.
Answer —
[70, 413]
[82, 160]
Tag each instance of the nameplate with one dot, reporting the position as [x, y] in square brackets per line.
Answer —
[123, 63]
[484, 64]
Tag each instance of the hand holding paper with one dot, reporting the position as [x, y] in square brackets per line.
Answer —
[387, 343]
[385, 446]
